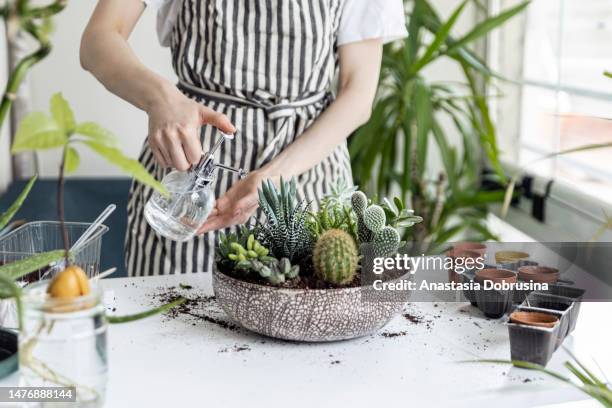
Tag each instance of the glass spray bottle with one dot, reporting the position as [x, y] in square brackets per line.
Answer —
[191, 197]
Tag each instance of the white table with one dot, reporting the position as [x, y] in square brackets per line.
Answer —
[185, 362]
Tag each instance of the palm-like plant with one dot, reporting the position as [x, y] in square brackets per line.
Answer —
[391, 150]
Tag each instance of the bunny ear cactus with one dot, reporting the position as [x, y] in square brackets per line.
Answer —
[374, 218]
[386, 242]
[377, 224]
[335, 257]
[359, 202]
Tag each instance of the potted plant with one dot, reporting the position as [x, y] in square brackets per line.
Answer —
[299, 275]
[407, 120]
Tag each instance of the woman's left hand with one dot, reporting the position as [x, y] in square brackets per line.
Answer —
[237, 205]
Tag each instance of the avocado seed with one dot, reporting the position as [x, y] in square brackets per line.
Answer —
[69, 283]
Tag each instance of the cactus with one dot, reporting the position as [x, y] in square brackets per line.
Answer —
[374, 218]
[386, 242]
[359, 202]
[335, 257]
[275, 271]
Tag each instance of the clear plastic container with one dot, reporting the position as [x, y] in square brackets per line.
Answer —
[42, 236]
[63, 344]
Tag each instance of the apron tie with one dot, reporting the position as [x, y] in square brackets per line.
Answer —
[282, 114]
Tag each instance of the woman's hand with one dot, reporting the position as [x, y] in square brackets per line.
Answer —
[174, 130]
[237, 205]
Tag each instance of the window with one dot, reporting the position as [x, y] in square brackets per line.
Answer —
[559, 99]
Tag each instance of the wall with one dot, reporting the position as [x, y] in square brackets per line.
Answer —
[61, 71]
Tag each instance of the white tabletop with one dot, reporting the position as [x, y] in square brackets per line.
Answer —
[184, 361]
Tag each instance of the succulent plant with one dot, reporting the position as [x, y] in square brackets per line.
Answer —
[334, 212]
[398, 215]
[284, 231]
[335, 257]
[275, 271]
[359, 202]
[374, 218]
[386, 242]
[235, 249]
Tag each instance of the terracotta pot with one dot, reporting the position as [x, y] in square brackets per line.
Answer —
[496, 275]
[537, 319]
[510, 256]
[459, 253]
[471, 246]
[542, 274]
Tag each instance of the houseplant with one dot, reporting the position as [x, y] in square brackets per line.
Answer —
[301, 275]
[407, 123]
[67, 296]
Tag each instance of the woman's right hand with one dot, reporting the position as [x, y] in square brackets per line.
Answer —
[174, 130]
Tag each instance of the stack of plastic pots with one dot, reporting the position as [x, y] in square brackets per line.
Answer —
[536, 343]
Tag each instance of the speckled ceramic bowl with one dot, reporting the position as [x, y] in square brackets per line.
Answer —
[310, 315]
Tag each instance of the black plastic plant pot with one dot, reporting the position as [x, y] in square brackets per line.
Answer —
[494, 303]
[532, 344]
[469, 294]
[575, 294]
[8, 352]
[546, 302]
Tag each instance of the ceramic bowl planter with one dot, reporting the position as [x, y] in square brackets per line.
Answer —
[546, 302]
[494, 303]
[531, 337]
[311, 315]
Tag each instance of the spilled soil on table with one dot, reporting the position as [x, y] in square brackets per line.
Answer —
[197, 307]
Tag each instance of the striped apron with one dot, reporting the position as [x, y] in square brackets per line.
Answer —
[269, 66]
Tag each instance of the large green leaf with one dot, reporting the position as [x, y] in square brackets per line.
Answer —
[72, 160]
[37, 131]
[17, 269]
[96, 133]
[12, 210]
[61, 112]
[439, 39]
[422, 105]
[130, 166]
[483, 28]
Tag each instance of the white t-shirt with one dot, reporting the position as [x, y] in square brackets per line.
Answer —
[361, 20]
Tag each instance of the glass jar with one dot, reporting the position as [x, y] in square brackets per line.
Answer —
[63, 344]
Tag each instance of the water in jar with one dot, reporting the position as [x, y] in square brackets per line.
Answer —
[64, 346]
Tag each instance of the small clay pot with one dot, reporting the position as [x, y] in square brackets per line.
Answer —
[459, 253]
[541, 274]
[495, 275]
[471, 246]
[537, 319]
[563, 306]
[494, 303]
[535, 344]
[510, 256]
